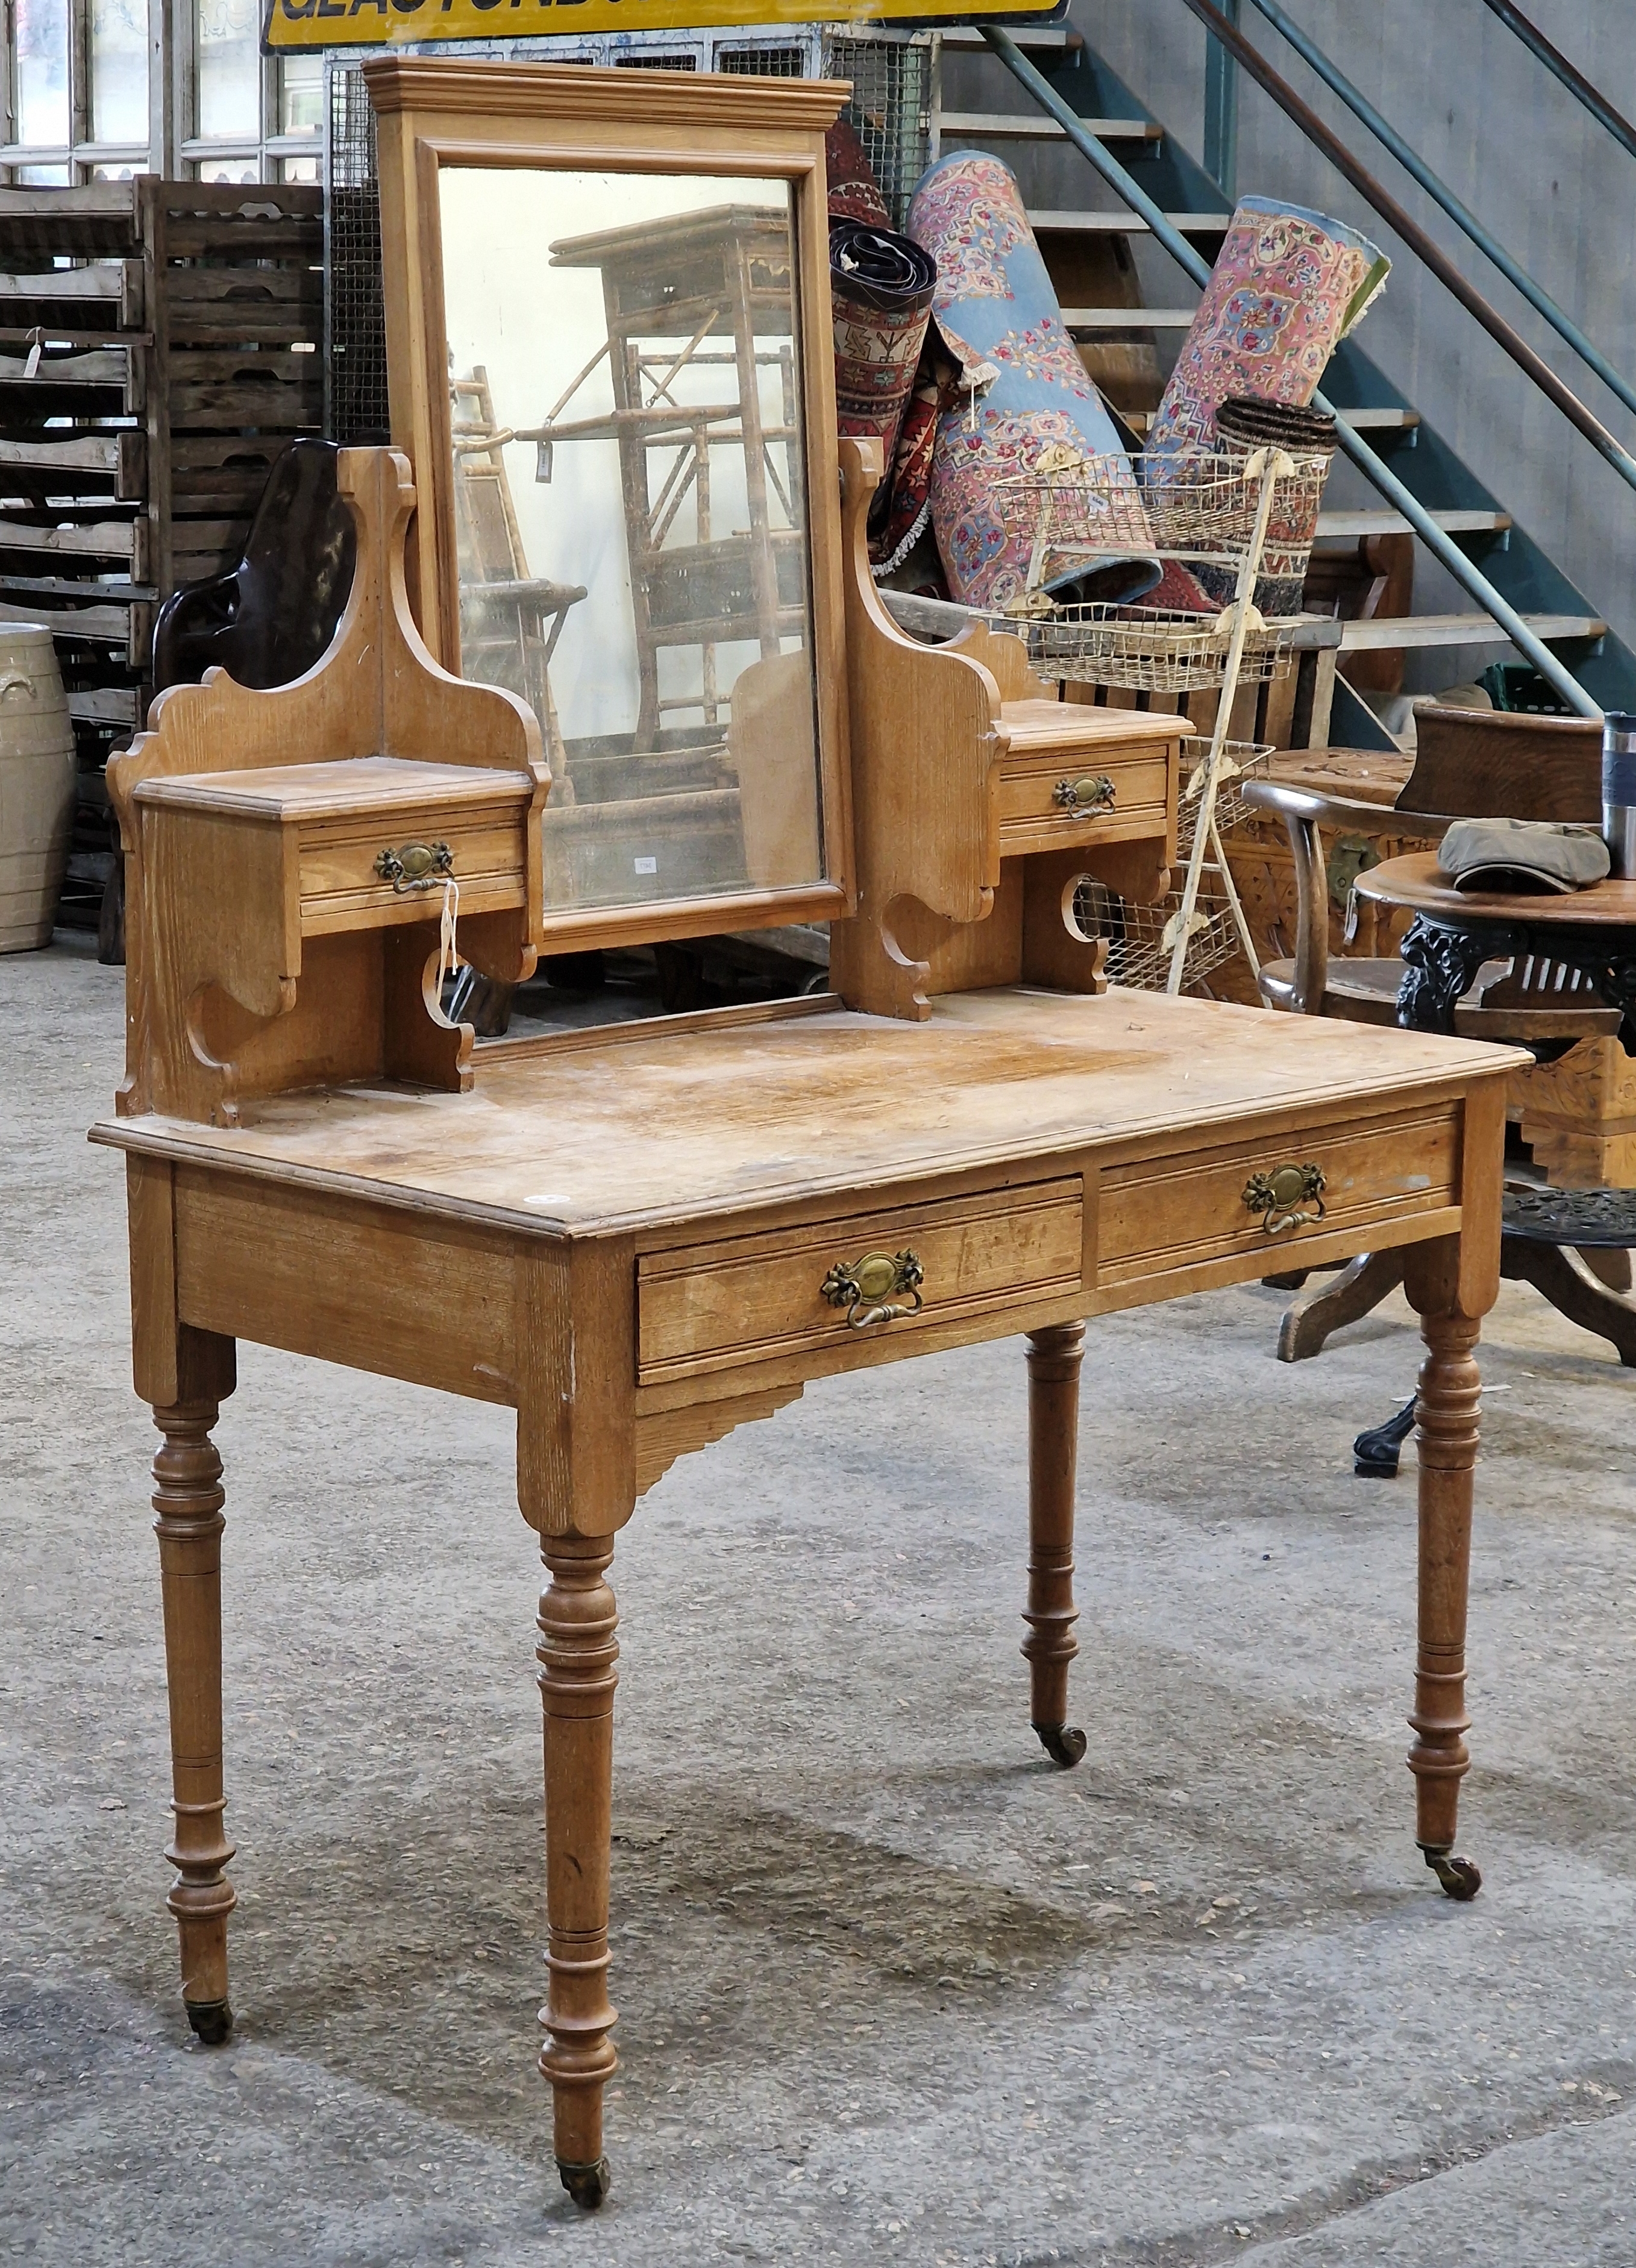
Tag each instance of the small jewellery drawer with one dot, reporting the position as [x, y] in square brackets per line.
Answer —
[1046, 804]
[1261, 1201]
[747, 1299]
[391, 866]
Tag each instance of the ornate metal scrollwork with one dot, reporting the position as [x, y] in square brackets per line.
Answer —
[1441, 967]
[415, 865]
[1281, 1196]
[865, 1287]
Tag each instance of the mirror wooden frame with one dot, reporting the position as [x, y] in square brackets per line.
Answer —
[433, 114]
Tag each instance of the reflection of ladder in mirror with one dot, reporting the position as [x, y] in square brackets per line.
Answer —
[509, 622]
[669, 287]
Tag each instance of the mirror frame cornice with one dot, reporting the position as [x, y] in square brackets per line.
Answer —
[432, 113]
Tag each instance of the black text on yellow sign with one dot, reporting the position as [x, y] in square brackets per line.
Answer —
[290, 24]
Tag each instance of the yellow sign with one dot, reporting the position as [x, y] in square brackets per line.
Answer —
[290, 24]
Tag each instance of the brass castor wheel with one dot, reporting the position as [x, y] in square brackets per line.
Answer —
[1460, 1879]
[211, 2020]
[1064, 1744]
[587, 2185]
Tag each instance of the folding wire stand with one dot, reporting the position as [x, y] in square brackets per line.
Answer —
[1242, 515]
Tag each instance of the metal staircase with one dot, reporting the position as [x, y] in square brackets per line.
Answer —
[1038, 150]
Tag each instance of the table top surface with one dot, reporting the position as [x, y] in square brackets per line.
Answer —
[351, 785]
[1417, 881]
[630, 1125]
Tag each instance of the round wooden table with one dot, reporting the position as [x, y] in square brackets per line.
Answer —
[1454, 931]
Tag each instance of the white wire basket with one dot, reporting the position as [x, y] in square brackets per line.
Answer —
[1147, 649]
[1250, 760]
[1192, 505]
[1137, 953]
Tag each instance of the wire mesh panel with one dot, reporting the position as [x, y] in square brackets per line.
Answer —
[891, 108]
[355, 407]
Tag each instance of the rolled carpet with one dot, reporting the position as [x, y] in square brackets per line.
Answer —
[1024, 391]
[1287, 287]
[881, 288]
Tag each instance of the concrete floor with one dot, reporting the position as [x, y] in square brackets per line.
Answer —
[892, 1988]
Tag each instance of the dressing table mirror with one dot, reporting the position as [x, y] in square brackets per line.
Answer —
[611, 366]
[613, 668]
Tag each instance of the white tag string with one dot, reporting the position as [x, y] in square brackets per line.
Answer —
[448, 959]
[36, 339]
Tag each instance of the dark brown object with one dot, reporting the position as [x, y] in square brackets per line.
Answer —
[1486, 763]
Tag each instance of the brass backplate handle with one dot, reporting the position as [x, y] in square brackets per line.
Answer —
[865, 1287]
[415, 865]
[1092, 791]
[1281, 1195]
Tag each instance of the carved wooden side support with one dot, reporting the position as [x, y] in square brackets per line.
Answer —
[188, 1501]
[1054, 1355]
[577, 1653]
[926, 745]
[1446, 1436]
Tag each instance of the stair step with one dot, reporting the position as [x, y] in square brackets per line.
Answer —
[967, 39]
[1382, 421]
[1391, 635]
[1127, 319]
[1377, 522]
[1004, 126]
[1125, 223]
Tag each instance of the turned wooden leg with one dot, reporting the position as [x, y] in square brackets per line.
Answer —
[187, 1499]
[1446, 1429]
[578, 1653]
[1054, 1355]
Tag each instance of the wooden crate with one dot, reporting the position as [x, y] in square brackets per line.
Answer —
[159, 344]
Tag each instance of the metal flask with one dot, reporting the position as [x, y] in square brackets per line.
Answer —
[1619, 792]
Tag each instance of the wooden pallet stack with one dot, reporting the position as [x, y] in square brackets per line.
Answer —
[160, 342]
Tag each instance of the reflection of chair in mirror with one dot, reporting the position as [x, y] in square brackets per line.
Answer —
[510, 620]
[670, 287]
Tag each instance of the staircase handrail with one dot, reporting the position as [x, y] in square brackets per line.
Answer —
[1435, 186]
[1469, 577]
[1425, 249]
[1557, 65]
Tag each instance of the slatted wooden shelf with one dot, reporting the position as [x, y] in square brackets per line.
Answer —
[175, 333]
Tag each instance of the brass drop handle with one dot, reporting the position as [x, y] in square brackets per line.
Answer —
[1279, 1196]
[1092, 791]
[415, 865]
[865, 1287]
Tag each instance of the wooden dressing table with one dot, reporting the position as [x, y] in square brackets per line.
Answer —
[641, 1236]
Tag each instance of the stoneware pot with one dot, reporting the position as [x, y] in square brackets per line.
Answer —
[36, 786]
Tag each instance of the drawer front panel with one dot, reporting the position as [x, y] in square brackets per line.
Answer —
[713, 1306]
[340, 888]
[1159, 1217]
[1031, 817]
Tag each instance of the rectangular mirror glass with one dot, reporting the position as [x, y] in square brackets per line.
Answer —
[630, 516]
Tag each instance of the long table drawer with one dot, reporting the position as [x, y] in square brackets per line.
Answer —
[1158, 1217]
[712, 1307]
